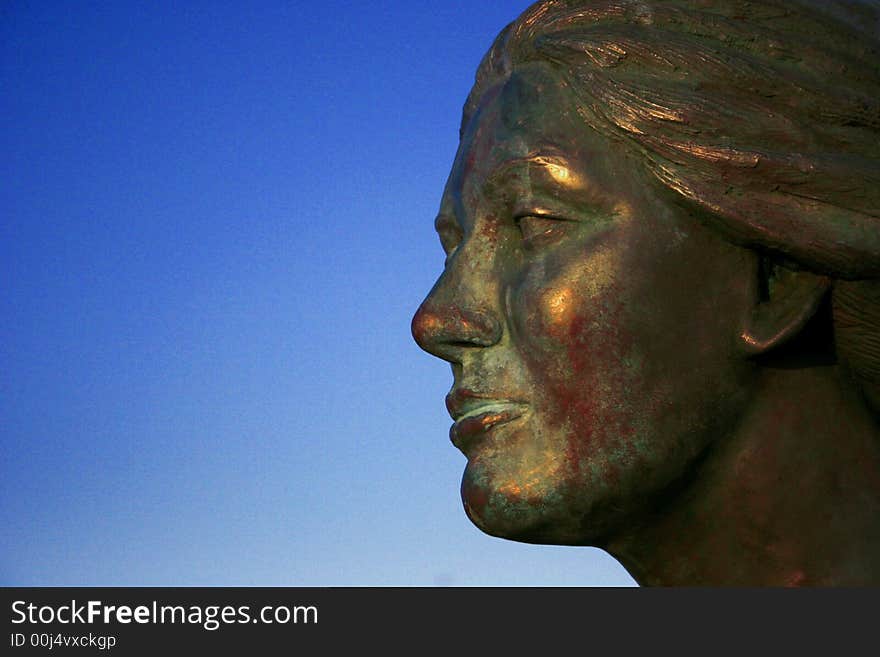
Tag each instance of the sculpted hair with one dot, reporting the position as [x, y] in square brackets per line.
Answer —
[763, 114]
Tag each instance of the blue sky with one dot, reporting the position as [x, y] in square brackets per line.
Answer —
[217, 223]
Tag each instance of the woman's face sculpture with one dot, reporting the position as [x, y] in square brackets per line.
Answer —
[592, 325]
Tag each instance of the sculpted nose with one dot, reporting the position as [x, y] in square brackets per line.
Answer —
[445, 329]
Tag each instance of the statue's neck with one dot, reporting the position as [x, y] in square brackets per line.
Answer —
[791, 498]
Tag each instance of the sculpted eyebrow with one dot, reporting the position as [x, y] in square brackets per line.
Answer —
[557, 166]
[559, 171]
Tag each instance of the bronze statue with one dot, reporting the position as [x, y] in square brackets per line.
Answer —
[661, 299]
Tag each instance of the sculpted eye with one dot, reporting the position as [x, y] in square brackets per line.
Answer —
[538, 230]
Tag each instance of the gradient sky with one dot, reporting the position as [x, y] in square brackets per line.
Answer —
[217, 221]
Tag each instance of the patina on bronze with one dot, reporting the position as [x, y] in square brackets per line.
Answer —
[661, 299]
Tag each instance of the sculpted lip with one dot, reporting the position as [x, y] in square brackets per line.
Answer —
[475, 416]
[464, 401]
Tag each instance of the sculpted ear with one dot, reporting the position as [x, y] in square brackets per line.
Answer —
[787, 300]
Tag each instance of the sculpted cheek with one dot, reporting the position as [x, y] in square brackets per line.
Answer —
[570, 309]
[557, 311]
[488, 232]
[579, 352]
[573, 292]
[595, 398]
